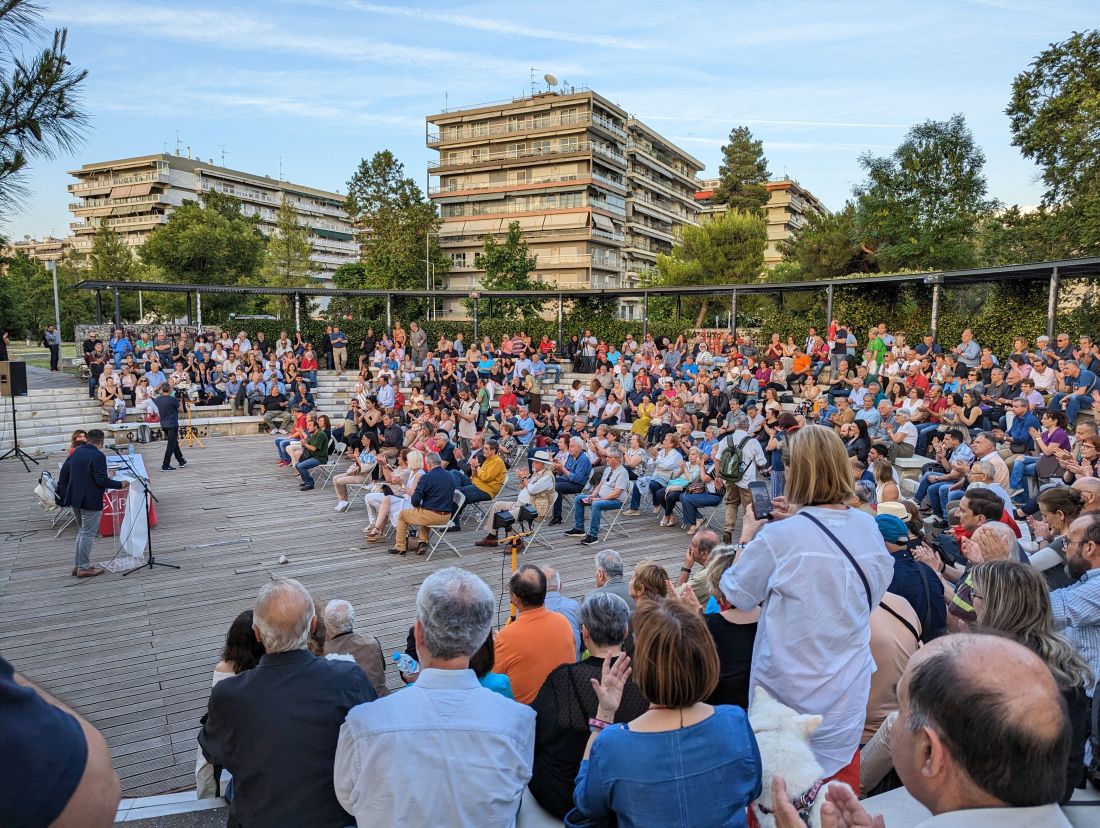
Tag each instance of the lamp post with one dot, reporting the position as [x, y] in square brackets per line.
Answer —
[429, 270]
[51, 266]
[474, 297]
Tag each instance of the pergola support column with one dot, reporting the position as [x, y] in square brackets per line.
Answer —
[118, 308]
[645, 314]
[1052, 302]
[828, 306]
[198, 308]
[190, 314]
[389, 312]
[99, 307]
[561, 333]
[477, 339]
[935, 324]
[733, 313]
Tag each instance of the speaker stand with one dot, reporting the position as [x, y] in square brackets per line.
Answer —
[15, 451]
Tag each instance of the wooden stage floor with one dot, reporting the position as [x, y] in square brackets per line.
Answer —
[135, 654]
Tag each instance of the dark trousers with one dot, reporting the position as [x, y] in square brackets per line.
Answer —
[55, 355]
[564, 487]
[172, 438]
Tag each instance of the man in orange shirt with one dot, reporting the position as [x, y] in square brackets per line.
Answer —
[537, 641]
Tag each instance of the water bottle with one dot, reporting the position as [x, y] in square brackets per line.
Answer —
[130, 450]
[405, 663]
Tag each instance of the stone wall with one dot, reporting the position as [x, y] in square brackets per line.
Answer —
[173, 331]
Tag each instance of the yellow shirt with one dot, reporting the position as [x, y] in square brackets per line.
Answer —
[490, 475]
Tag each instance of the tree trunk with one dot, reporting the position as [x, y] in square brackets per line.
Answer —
[702, 313]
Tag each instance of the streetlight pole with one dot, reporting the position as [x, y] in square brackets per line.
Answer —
[51, 266]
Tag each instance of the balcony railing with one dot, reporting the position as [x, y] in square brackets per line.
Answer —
[469, 159]
[604, 205]
[608, 182]
[117, 181]
[532, 235]
[518, 127]
[91, 204]
[463, 187]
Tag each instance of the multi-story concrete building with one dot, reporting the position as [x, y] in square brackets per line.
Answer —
[135, 195]
[557, 163]
[48, 249]
[789, 204]
[661, 181]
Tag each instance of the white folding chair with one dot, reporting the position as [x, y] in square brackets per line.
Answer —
[356, 490]
[536, 535]
[613, 524]
[336, 454]
[438, 534]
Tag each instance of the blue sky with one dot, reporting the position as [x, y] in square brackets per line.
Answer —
[321, 83]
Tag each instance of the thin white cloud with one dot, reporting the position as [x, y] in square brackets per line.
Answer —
[238, 32]
[773, 122]
[485, 24]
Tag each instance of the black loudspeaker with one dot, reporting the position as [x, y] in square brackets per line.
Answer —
[13, 379]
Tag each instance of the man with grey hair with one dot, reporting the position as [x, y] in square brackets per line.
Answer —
[609, 576]
[341, 639]
[753, 462]
[572, 475]
[607, 495]
[698, 552]
[409, 759]
[275, 727]
[561, 604]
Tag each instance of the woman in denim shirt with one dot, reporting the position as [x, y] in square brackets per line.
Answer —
[682, 762]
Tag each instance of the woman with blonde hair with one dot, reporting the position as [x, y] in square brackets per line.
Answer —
[816, 555]
[402, 483]
[650, 582]
[1012, 599]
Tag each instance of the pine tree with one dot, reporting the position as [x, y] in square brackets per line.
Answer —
[743, 175]
[287, 262]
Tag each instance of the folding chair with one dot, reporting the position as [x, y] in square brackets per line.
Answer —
[536, 532]
[336, 454]
[438, 534]
[355, 490]
[613, 524]
[593, 479]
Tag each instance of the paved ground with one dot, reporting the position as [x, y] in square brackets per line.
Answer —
[134, 654]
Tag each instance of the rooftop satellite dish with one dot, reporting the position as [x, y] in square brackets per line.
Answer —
[550, 80]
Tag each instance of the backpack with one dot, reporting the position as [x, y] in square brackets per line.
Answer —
[731, 463]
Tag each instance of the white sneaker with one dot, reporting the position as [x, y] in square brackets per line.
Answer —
[342, 506]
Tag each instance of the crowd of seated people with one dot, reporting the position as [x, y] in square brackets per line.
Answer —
[652, 714]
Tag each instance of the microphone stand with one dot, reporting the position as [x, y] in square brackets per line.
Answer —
[144, 482]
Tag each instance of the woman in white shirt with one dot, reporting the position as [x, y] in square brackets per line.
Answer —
[402, 483]
[913, 402]
[818, 569]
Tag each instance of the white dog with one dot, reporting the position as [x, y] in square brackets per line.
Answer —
[784, 739]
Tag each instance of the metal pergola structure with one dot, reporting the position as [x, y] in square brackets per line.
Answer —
[1052, 272]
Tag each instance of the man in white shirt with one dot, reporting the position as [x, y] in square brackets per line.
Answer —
[607, 496]
[753, 462]
[385, 395]
[472, 748]
[1006, 767]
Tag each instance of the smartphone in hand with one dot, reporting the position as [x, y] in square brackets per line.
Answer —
[761, 500]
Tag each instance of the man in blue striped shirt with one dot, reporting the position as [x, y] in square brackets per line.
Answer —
[1077, 606]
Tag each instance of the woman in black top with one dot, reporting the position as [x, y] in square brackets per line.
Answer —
[857, 442]
[567, 701]
[734, 632]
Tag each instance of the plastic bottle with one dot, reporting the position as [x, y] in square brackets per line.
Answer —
[405, 663]
[130, 450]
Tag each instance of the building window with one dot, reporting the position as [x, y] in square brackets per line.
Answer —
[540, 147]
[569, 144]
[458, 259]
[517, 150]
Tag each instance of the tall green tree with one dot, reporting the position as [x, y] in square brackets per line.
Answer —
[1054, 116]
[397, 230]
[920, 207]
[743, 175]
[208, 243]
[727, 249]
[287, 262]
[40, 111]
[111, 259]
[26, 297]
[828, 245]
[508, 266]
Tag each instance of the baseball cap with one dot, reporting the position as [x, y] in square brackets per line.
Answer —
[892, 529]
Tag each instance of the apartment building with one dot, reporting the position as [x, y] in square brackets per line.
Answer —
[661, 181]
[789, 205]
[560, 164]
[135, 195]
[48, 249]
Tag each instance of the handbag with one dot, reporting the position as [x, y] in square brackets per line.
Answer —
[697, 487]
[1048, 466]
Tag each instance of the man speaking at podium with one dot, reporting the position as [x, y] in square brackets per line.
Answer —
[81, 484]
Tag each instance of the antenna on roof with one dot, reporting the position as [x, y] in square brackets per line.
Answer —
[178, 143]
[550, 81]
[224, 153]
[533, 88]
